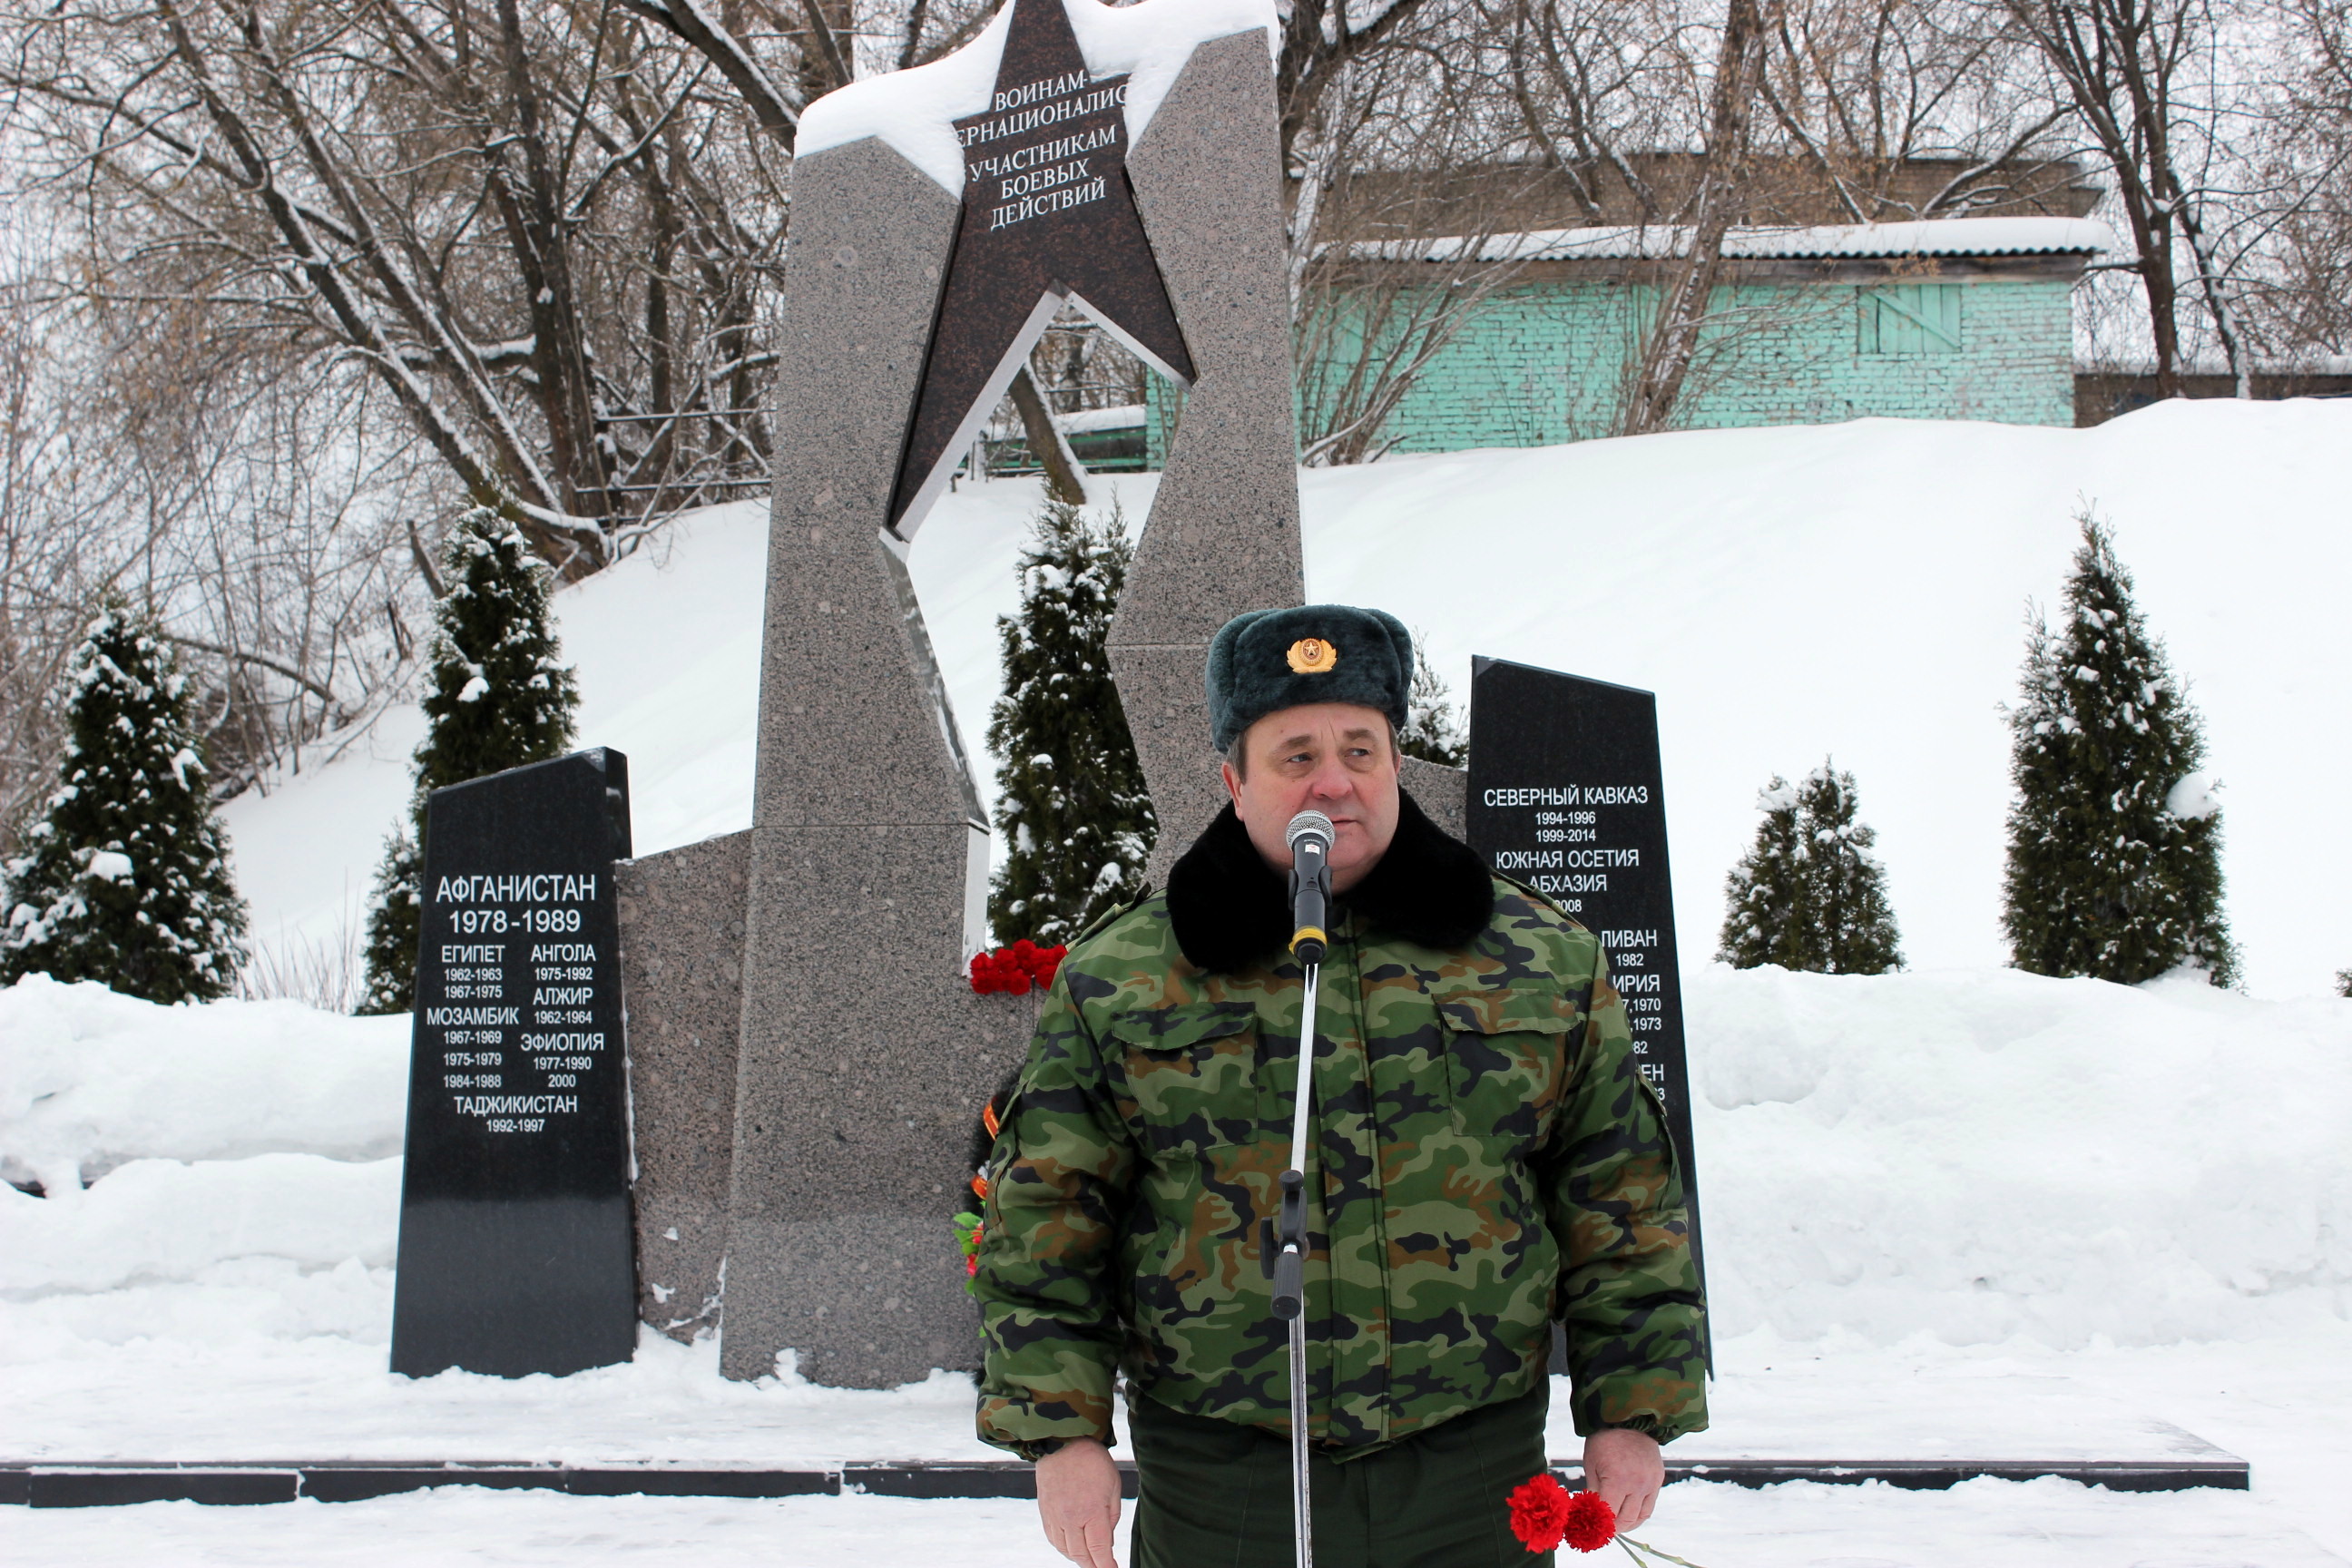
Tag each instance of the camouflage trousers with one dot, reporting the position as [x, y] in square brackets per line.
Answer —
[1216, 1494]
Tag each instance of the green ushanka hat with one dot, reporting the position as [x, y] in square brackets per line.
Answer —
[1263, 661]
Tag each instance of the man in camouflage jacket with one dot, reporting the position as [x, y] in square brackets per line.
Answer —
[1485, 1159]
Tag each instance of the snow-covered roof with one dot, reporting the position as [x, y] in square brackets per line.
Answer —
[1930, 237]
[2208, 363]
[1127, 416]
[912, 111]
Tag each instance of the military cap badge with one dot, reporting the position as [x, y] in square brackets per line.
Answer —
[1312, 656]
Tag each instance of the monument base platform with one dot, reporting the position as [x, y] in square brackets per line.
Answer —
[56, 1484]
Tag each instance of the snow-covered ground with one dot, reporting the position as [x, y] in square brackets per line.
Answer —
[1964, 1213]
[1855, 591]
[2036, 1524]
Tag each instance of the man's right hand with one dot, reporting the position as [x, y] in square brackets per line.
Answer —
[1077, 1501]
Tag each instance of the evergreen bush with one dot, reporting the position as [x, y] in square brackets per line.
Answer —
[1808, 895]
[1071, 803]
[1432, 730]
[2115, 838]
[496, 697]
[125, 880]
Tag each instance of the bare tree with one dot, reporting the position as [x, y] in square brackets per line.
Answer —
[1681, 121]
[47, 511]
[1873, 93]
[541, 238]
[1320, 40]
[1686, 287]
[258, 521]
[1396, 206]
[2303, 300]
[2124, 69]
[1588, 88]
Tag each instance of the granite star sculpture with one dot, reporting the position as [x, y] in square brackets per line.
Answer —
[1048, 219]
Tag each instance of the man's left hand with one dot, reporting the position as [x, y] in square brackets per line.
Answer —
[1626, 1468]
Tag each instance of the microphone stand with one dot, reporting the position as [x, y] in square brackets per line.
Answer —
[1289, 1272]
[1309, 837]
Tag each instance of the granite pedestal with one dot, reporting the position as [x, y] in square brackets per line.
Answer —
[863, 1052]
[682, 969]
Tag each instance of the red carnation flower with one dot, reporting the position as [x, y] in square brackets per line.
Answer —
[994, 972]
[1545, 1516]
[1590, 1524]
[1016, 970]
[1539, 1512]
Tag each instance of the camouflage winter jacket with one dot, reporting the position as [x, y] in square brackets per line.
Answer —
[1488, 1159]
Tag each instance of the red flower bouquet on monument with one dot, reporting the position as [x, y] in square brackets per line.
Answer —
[1016, 970]
[1547, 1516]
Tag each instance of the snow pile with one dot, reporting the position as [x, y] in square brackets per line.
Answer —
[1890, 1164]
[160, 1219]
[1734, 573]
[910, 111]
[1982, 1155]
[245, 1191]
[1978, 1155]
[231, 1143]
[1858, 592]
[90, 1079]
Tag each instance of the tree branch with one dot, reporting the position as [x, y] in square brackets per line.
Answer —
[324, 693]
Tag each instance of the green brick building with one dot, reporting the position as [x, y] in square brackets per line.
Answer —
[1942, 318]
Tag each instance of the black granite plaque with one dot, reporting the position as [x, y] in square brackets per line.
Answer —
[515, 1250]
[1048, 217]
[1565, 795]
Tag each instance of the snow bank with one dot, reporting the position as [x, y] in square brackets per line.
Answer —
[1982, 1155]
[1979, 1155]
[910, 111]
[161, 1219]
[1916, 1186]
[1859, 592]
[1855, 591]
[245, 1185]
[90, 1079]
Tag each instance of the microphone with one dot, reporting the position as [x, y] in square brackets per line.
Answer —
[1310, 836]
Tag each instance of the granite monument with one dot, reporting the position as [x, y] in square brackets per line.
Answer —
[515, 1252]
[1123, 161]
[1565, 793]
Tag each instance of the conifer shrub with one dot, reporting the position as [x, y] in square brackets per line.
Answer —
[1071, 802]
[1432, 730]
[497, 696]
[2115, 837]
[125, 878]
[1808, 895]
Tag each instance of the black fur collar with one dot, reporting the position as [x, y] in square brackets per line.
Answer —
[1228, 906]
